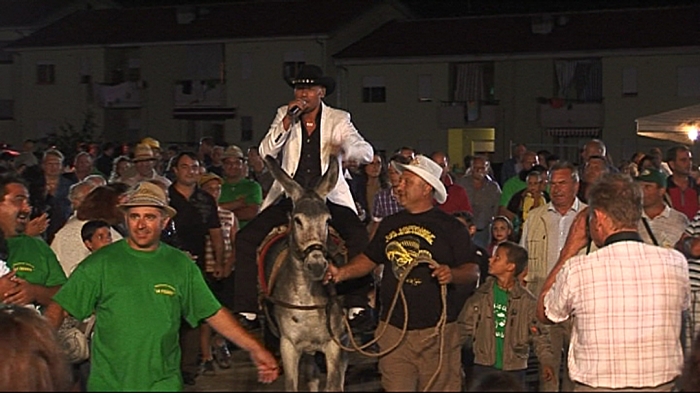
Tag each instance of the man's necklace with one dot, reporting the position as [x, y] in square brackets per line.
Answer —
[309, 124]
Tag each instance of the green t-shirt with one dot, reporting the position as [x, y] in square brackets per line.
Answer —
[510, 188]
[500, 316]
[34, 261]
[139, 299]
[232, 191]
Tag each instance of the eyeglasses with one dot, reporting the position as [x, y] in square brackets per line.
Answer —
[235, 162]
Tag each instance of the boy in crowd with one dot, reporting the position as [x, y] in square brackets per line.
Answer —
[96, 234]
[504, 343]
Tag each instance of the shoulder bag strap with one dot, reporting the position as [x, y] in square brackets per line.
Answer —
[651, 234]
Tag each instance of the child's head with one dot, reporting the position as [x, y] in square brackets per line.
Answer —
[501, 229]
[508, 258]
[96, 234]
[467, 219]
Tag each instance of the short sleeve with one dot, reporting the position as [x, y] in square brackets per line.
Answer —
[78, 296]
[199, 302]
[557, 302]
[56, 275]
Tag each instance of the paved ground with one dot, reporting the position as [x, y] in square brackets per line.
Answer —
[361, 376]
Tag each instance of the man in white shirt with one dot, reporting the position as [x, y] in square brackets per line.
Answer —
[544, 235]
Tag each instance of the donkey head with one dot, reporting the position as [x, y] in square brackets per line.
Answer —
[310, 216]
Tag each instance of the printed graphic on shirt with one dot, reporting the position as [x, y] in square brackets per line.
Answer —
[23, 267]
[403, 250]
[165, 289]
[499, 314]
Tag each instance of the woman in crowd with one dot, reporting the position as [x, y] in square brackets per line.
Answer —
[119, 167]
[100, 204]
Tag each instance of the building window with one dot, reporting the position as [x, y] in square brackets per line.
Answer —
[7, 110]
[290, 69]
[133, 70]
[45, 74]
[373, 89]
[579, 80]
[474, 82]
[425, 88]
[629, 82]
[6, 57]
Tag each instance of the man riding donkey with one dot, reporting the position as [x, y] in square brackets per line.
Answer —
[306, 132]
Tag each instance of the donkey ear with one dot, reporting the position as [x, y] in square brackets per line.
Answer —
[330, 178]
[291, 187]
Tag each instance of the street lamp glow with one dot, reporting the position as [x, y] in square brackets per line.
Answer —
[693, 133]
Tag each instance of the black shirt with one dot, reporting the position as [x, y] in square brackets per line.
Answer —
[195, 216]
[403, 238]
[309, 170]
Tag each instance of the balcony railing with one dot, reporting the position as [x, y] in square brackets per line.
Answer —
[200, 93]
[123, 95]
[560, 114]
[456, 114]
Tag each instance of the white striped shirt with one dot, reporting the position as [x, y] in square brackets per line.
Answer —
[627, 299]
[693, 230]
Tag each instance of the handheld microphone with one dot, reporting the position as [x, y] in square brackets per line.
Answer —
[294, 111]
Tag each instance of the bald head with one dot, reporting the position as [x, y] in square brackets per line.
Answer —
[529, 160]
[594, 147]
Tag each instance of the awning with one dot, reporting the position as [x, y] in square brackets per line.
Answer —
[575, 132]
[671, 125]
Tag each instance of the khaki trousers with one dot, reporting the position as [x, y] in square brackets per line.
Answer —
[412, 365]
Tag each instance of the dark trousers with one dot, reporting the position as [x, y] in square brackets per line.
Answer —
[343, 220]
[189, 347]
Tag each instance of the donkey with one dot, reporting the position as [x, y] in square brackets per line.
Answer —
[305, 314]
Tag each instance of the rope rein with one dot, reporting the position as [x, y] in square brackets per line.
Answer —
[439, 327]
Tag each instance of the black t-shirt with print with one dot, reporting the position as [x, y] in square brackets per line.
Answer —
[403, 238]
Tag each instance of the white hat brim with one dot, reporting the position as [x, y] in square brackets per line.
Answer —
[439, 190]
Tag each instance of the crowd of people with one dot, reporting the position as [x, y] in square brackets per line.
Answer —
[590, 266]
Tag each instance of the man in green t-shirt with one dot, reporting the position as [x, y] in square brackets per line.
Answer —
[139, 290]
[240, 195]
[35, 273]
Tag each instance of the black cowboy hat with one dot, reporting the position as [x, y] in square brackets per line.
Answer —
[310, 74]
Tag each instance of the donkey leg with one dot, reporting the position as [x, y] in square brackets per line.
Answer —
[336, 365]
[309, 369]
[290, 362]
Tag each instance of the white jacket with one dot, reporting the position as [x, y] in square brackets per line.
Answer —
[336, 129]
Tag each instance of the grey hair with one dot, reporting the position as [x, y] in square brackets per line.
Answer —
[79, 190]
[561, 165]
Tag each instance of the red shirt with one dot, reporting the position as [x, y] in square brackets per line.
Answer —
[685, 201]
[457, 198]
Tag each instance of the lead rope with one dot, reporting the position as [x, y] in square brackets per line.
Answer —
[439, 327]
